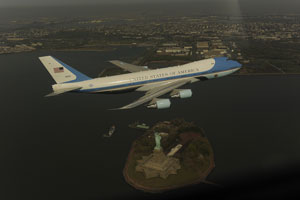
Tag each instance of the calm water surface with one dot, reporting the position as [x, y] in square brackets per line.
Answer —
[52, 147]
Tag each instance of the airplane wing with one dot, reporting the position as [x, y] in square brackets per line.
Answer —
[62, 91]
[156, 92]
[129, 67]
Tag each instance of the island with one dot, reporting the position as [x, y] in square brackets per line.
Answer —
[171, 154]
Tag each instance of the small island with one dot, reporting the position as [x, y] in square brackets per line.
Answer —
[170, 155]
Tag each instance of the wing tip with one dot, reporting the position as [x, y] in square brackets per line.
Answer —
[112, 61]
[43, 57]
[122, 108]
[50, 95]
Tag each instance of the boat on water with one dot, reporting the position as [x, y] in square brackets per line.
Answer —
[138, 125]
[110, 132]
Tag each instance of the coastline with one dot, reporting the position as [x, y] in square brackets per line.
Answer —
[267, 74]
[86, 49]
[114, 48]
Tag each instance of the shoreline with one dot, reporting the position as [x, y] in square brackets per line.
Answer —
[267, 74]
[61, 50]
[93, 50]
[114, 48]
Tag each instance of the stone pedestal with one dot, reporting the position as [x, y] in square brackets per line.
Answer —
[158, 164]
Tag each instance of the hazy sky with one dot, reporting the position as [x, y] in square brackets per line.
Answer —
[75, 2]
[4, 3]
[184, 7]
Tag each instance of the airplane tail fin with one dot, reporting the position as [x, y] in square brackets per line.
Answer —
[61, 72]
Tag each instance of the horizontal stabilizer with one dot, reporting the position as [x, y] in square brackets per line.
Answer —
[129, 67]
[62, 91]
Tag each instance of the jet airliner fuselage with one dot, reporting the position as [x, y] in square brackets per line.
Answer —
[154, 82]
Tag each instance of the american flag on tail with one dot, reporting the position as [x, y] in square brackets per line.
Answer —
[58, 69]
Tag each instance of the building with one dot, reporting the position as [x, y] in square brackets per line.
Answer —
[202, 45]
[174, 51]
[169, 44]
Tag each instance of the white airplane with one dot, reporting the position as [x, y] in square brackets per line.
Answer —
[154, 82]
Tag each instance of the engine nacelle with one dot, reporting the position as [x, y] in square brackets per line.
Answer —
[181, 93]
[159, 103]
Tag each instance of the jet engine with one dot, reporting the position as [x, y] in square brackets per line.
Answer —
[159, 103]
[187, 93]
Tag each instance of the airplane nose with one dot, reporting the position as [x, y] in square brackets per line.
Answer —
[223, 63]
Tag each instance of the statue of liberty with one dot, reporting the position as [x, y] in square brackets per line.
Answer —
[157, 141]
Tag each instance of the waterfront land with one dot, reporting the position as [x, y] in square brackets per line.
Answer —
[196, 156]
[263, 44]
